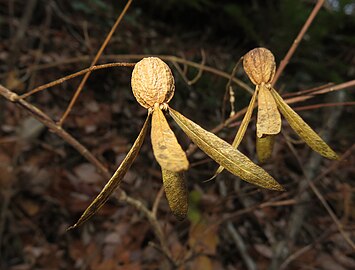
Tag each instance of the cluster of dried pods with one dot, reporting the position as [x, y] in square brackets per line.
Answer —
[153, 87]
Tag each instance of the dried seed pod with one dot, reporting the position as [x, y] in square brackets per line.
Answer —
[259, 64]
[264, 147]
[152, 82]
[269, 118]
[176, 193]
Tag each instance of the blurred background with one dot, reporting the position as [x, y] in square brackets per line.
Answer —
[45, 184]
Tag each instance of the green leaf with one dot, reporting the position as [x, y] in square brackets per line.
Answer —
[225, 155]
[115, 180]
[166, 148]
[176, 193]
[242, 129]
[303, 129]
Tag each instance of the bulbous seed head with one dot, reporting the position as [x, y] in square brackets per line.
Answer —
[259, 64]
[152, 82]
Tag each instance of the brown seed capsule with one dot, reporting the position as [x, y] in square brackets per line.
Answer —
[259, 64]
[152, 82]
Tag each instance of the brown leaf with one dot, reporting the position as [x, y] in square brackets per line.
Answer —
[166, 148]
[225, 155]
[176, 193]
[269, 119]
[116, 179]
[303, 129]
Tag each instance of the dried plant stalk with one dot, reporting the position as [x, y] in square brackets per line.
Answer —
[176, 193]
[166, 148]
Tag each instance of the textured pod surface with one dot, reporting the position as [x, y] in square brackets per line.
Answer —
[269, 118]
[259, 64]
[152, 82]
[166, 148]
[176, 193]
[242, 129]
[264, 147]
[225, 155]
[303, 129]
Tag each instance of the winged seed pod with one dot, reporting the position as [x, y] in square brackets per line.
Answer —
[153, 87]
[259, 64]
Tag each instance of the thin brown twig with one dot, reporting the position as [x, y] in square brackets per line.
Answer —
[47, 121]
[322, 91]
[228, 86]
[323, 105]
[334, 165]
[200, 71]
[192, 148]
[297, 41]
[335, 219]
[157, 201]
[152, 220]
[307, 91]
[303, 250]
[71, 76]
[103, 46]
[169, 58]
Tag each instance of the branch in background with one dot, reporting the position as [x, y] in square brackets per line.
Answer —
[48, 122]
[76, 74]
[298, 39]
[103, 46]
[169, 58]
[300, 211]
[238, 240]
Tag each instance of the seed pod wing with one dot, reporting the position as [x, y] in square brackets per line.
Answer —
[303, 129]
[225, 155]
[176, 193]
[166, 148]
[116, 179]
[242, 129]
[264, 147]
[269, 118]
